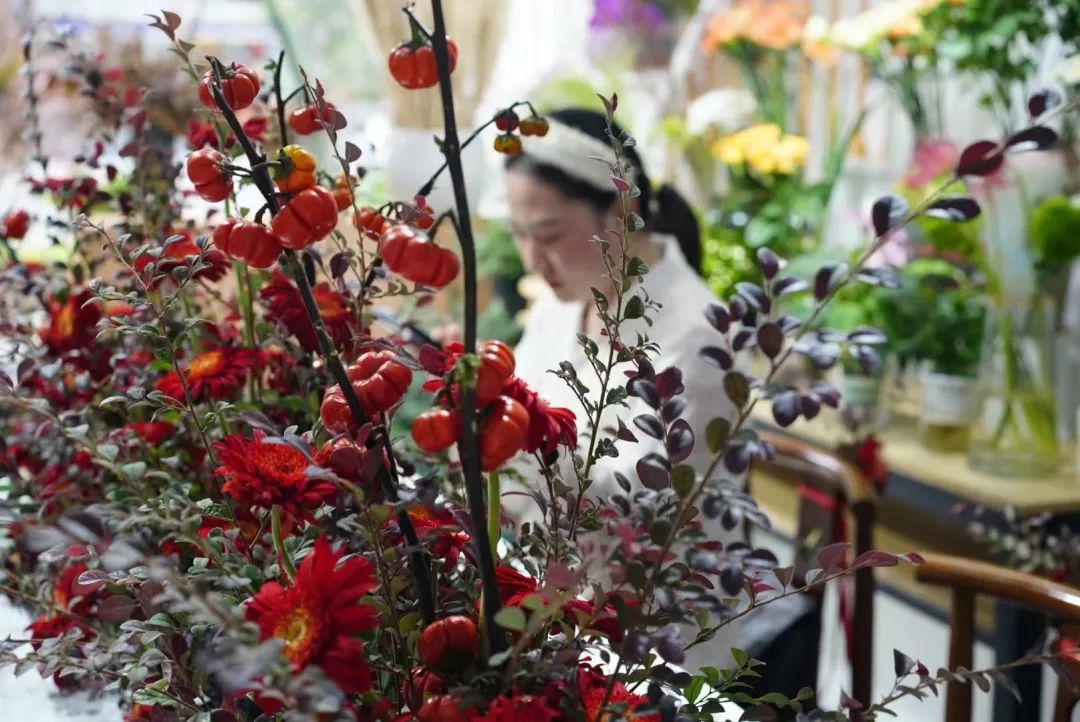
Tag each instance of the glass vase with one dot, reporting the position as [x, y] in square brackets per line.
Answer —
[1016, 430]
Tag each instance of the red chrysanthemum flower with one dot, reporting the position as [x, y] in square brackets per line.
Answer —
[518, 708]
[592, 687]
[247, 524]
[70, 600]
[549, 425]
[154, 433]
[268, 472]
[318, 616]
[173, 256]
[71, 484]
[515, 587]
[287, 308]
[72, 324]
[218, 374]
[200, 135]
[438, 531]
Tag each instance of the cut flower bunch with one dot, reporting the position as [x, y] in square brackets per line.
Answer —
[211, 512]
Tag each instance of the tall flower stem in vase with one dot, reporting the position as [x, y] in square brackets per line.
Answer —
[1017, 430]
[470, 443]
[1016, 434]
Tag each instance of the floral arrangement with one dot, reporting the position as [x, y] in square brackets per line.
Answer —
[211, 509]
[771, 199]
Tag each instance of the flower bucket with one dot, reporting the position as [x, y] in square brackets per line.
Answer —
[949, 404]
[1016, 432]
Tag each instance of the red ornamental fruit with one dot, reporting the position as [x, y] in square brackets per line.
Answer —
[370, 222]
[423, 215]
[206, 169]
[413, 64]
[443, 708]
[436, 430]
[508, 143]
[16, 224]
[534, 125]
[305, 121]
[247, 241]
[239, 85]
[378, 379]
[497, 364]
[342, 195]
[421, 685]
[503, 432]
[306, 219]
[408, 252]
[506, 121]
[449, 644]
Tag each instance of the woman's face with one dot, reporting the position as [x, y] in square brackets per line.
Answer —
[553, 233]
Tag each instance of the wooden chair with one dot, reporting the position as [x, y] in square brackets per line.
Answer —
[828, 488]
[967, 579]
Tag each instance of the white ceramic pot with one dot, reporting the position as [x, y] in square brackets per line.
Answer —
[948, 400]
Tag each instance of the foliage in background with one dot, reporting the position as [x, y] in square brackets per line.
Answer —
[937, 315]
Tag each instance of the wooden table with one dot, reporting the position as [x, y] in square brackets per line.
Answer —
[917, 513]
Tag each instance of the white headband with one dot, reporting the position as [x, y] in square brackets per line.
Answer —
[574, 153]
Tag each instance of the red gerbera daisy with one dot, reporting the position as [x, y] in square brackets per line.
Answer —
[268, 472]
[217, 374]
[549, 426]
[592, 687]
[519, 708]
[318, 616]
[72, 324]
[287, 308]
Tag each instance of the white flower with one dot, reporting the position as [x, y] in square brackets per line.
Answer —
[1069, 71]
[725, 110]
[816, 29]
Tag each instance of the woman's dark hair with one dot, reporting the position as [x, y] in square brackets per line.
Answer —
[664, 210]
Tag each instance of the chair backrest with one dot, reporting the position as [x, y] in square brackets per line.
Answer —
[968, 578]
[827, 486]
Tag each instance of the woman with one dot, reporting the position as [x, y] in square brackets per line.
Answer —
[559, 198]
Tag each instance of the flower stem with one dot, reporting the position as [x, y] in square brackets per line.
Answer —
[470, 445]
[284, 560]
[494, 513]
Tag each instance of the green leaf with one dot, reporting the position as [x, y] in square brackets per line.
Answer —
[409, 622]
[636, 267]
[682, 480]
[133, 471]
[737, 388]
[740, 657]
[692, 690]
[511, 618]
[635, 308]
[716, 434]
[109, 451]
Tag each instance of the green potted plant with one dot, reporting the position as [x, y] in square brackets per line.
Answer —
[935, 319]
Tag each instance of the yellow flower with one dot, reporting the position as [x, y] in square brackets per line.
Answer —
[790, 153]
[764, 149]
